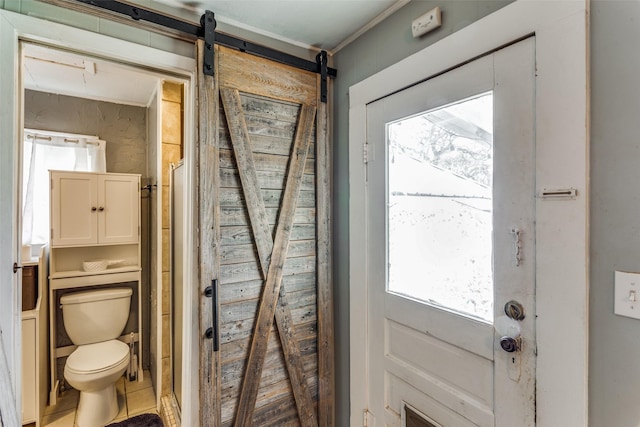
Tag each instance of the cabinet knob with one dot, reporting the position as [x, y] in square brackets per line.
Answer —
[100, 209]
[93, 209]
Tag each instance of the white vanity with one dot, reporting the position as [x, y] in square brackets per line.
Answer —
[93, 216]
[34, 337]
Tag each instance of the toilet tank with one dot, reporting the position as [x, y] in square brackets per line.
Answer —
[95, 316]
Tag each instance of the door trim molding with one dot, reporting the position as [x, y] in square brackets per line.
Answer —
[26, 28]
[562, 158]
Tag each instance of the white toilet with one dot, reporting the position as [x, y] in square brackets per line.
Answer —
[94, 320]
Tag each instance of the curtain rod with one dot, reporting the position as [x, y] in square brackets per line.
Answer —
[61, 137]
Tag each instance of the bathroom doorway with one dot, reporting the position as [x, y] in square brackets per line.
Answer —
[140, 114]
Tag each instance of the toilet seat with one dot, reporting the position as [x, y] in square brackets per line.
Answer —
[97, 357]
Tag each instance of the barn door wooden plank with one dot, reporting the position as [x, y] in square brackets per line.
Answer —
[247, 171]
[293, 360]
[326, 376]
[209, 237]
[264, 242]
[263, 77]
[273, 294]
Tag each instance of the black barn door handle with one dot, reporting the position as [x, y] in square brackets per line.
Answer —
[212, 332]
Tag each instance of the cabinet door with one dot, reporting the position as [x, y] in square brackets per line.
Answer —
[119, 208]
[74, 202]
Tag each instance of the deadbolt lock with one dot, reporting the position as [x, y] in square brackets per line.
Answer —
[514, 310]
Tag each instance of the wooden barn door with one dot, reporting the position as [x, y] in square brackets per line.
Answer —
[264, 246]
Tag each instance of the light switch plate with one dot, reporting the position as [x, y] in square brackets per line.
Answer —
[627, 294]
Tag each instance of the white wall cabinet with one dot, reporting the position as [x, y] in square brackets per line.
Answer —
[94, 209]
[93, 216]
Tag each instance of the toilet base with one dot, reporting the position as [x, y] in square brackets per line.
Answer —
[97, 408]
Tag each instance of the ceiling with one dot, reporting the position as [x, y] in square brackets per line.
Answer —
[55, 71]
[312, 24]
[322, 24]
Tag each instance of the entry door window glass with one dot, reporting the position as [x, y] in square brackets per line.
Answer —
[439, 208]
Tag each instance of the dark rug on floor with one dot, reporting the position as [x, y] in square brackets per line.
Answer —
[144, 420]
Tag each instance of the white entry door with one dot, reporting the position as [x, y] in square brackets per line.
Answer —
[450, 213]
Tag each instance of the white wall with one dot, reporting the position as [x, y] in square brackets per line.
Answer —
[124, 127]
[614, 374]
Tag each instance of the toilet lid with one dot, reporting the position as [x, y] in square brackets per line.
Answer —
[97, 357]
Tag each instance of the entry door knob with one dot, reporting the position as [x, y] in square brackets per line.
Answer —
[509, 329]
[509, 344]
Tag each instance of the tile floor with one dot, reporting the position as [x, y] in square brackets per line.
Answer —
[133, 398]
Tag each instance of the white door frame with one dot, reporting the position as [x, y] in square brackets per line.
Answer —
[13, 29]
[562, 162]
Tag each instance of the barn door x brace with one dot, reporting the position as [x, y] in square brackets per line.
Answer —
[206, 31]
